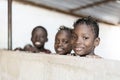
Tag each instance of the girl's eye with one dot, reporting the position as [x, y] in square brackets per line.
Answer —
[42, 36]
[74, 37]
[85, 38]
[57, 42]
[65, 41]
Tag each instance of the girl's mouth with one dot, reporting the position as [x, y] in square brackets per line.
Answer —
[37, 43]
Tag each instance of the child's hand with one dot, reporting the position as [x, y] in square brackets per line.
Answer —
[93, 56]
[18, 49]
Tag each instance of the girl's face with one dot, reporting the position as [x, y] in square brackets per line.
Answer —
[84, 40]
[39, 38]
[62, 42]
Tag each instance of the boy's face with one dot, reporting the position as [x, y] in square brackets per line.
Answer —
[84, 40]
[39, 37]
[62, 42]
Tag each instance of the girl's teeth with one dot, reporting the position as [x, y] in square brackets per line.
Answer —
[78, 48]
[59, 49]
[37, 43]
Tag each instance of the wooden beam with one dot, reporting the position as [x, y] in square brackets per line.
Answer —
[9, 24]
[58, 10]
[91, 5]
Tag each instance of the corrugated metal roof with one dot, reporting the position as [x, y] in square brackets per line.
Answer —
[107, 11]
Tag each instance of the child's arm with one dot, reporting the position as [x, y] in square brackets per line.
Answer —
[93, 56]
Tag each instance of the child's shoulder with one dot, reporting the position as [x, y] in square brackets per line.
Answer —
[87, 56]
[93, 56]
[47, 51]
[18, 49]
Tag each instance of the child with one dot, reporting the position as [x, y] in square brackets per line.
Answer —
[62, 43]
[18, 49]
[85, 37]
[39, 38]
[29, 48]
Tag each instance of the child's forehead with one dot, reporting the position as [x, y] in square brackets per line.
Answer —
[83, 26]
[37, 30]
[63, 32]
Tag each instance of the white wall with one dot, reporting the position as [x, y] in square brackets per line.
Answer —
[3, 24]
[110, 42]
[26, 17]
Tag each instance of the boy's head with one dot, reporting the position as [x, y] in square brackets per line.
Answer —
[39, 37]
[28, 47]
[63, 41]
[85, 36]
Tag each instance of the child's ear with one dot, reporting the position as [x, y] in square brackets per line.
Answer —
[97, 41]
[31, 38]
[46, 39]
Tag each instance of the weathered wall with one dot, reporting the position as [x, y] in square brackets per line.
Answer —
[30, 66]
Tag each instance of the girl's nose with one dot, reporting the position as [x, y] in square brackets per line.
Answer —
[60, 43]
[38, 38]
[79, 40]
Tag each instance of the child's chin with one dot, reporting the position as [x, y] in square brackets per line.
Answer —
[60, 53]
[80, 53]
[38, 46]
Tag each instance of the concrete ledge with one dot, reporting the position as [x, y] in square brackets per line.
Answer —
[31, 66]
